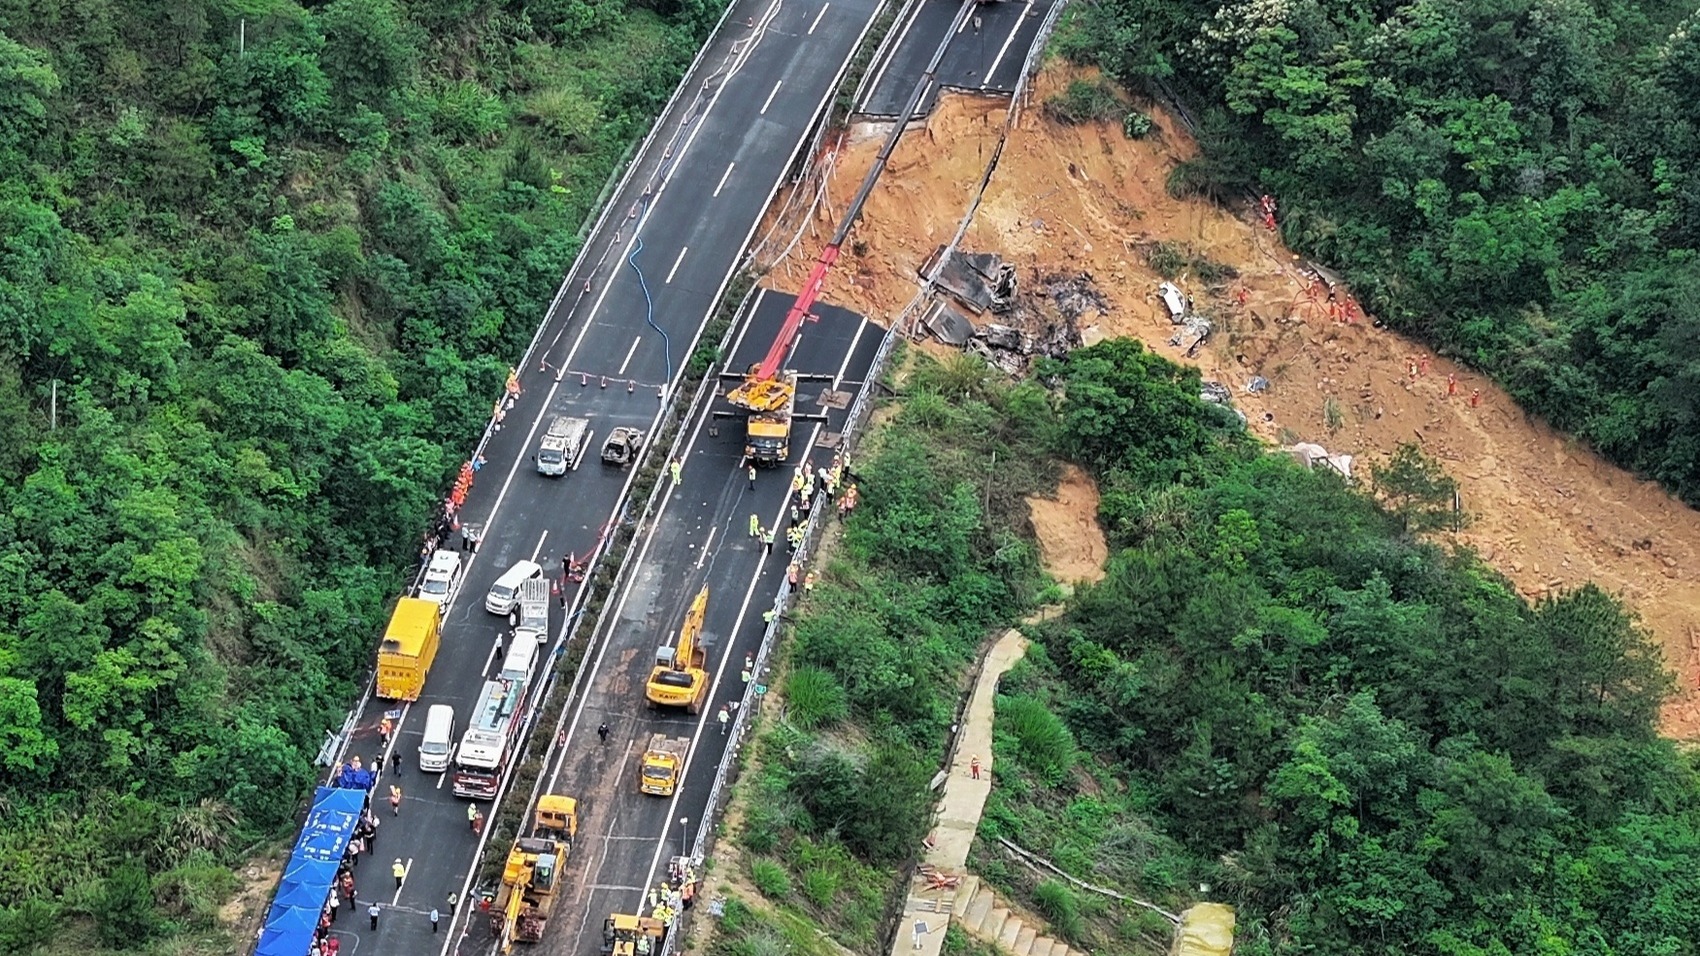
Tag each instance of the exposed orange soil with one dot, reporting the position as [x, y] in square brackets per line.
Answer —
[1545, 510]
[1071, 544]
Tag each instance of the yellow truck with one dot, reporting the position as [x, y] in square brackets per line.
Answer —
[662, 763]
[529, 878]
[678, 678]
[624, 935]
[408, 648]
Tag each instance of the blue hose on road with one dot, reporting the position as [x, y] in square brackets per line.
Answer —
[649, 308]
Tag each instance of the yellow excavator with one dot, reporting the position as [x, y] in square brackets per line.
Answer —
[521, 910]
[624, 935]
[679, 679]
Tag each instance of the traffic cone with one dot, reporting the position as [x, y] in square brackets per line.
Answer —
[660, 392]
[604, 381]
[631, 383]
[583, 379]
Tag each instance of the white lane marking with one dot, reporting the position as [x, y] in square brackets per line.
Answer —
[706, 543]
[880, 73]
[822, 13]
[444, 773]
[777, 84]
[964, 24]
[664, 842]
[722, 184]
[539, 549]
[629, 353]
[1007, 41]
[406, 872]
[643, 554]
[670, 272]
[581, 452]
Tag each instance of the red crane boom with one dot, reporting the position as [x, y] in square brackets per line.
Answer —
[768, 370]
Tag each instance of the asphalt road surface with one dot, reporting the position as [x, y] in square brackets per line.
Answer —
[700, 536]
[986, 54]
[685, 214]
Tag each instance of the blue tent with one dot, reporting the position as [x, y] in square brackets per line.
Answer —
[311, 870]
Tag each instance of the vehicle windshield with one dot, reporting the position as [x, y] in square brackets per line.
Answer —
[501, 593]
[435, 586]
[659, 773]
[433, 748]
[549, 456]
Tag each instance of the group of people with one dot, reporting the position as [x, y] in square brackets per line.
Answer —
[362, 840]
[666, 900]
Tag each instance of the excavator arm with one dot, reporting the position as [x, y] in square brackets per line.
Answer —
[691, 631]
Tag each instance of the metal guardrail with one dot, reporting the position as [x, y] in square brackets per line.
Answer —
[749, 705]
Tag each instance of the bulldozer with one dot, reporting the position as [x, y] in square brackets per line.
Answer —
[679, 679]
[521, 910]
[624, 935]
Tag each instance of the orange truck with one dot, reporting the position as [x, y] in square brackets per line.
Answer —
[408, 648]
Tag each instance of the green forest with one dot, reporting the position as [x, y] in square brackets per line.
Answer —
[1365, 742]
[1514, 181]
[262, 268]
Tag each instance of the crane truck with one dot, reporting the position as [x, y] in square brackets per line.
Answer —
[768, 393]
[678, 678]
[529, 879]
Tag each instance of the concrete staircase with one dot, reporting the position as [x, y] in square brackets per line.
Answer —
[979, 911]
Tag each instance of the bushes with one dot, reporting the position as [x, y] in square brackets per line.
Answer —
[1043, 741]
[1060, 908]
[1085, 101]
[814, 698]
[770, 878]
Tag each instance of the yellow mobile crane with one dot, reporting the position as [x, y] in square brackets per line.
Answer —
[768, 393]
[679, 679]
[521, 910]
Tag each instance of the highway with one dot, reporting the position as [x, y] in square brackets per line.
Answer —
[699, 536]
[610, 353]
[986, 55]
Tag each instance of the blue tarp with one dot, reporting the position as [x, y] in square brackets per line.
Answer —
[311, 870]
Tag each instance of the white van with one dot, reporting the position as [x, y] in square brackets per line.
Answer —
[441, 577]
[504, 594]
[439, 738]
[517, 667]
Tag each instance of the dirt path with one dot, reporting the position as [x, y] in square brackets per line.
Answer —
[1547, 512]
[964, 795]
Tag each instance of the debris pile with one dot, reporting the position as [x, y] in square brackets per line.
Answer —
[1044, 320]
[980, 280]
[1310, 455]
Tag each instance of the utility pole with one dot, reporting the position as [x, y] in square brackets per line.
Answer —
[242, 38]
[53, 409]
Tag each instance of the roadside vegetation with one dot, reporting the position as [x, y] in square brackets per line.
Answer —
[1516, 183]
[1280, 697]
[837, 799]
[1364, 742]
[264, 267]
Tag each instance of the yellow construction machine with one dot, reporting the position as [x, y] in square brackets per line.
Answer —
[679, 679]
[624, 935]
[521, 910]
[769, 402]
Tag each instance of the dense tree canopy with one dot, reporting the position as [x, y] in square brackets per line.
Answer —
[1367, 743]
[1516, 181]
[262, 268]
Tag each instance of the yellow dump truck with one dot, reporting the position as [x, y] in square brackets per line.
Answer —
[408, 648]
[624, 935]
[663, 761]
